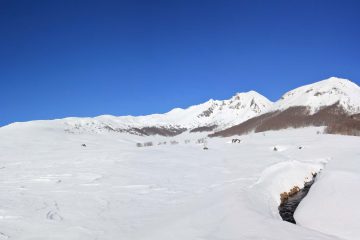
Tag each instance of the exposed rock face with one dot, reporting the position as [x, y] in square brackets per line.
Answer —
[207, 112]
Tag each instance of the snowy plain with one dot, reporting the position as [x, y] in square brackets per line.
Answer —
[53, 188]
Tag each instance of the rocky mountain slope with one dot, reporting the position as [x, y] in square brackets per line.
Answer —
[208, 116]
[323, 93]
[334, 103]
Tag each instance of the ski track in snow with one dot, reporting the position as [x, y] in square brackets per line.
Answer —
[52, 188]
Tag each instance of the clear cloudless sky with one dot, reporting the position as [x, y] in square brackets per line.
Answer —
[87, 58]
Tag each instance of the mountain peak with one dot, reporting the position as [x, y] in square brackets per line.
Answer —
[249, 93]
[323, 93]
[336, 79]
[340, 82]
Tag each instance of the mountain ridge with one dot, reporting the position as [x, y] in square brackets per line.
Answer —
[323, 93]
[217, 115]
[333, 103]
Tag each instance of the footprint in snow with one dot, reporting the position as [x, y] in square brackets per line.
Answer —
[54, 216]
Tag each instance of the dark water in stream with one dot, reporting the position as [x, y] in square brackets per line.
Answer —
[288, 207]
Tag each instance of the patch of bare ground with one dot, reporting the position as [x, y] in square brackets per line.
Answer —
[285, 195]
[204, 129]
[334, 117]
[162, 131]
[149, 131]
[347, 126]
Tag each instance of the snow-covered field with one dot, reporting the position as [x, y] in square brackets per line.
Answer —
[53, 188]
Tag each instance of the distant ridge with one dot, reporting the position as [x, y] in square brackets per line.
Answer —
[209, 116]
[333, 102]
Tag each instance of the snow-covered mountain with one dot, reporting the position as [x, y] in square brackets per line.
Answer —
[215, 113]
[333, 103]
[323, 93]
[222, 114]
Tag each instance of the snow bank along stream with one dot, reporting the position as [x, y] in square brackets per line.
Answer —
[281, 178]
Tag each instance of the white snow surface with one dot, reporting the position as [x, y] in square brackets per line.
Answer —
[53, 188]
[332, 206]
[323, 93]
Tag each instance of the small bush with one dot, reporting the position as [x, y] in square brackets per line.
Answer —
[148, 144]
[285, 195]
[174, 142]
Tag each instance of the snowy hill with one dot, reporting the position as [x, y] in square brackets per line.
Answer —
[237, 109]
[323, 93]
[334, 103]
[217, 114]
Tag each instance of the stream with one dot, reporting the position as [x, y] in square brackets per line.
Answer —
[288, 207]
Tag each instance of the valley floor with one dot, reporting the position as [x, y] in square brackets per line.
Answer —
[54, 188]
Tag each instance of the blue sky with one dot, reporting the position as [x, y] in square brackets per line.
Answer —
[87, 58]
